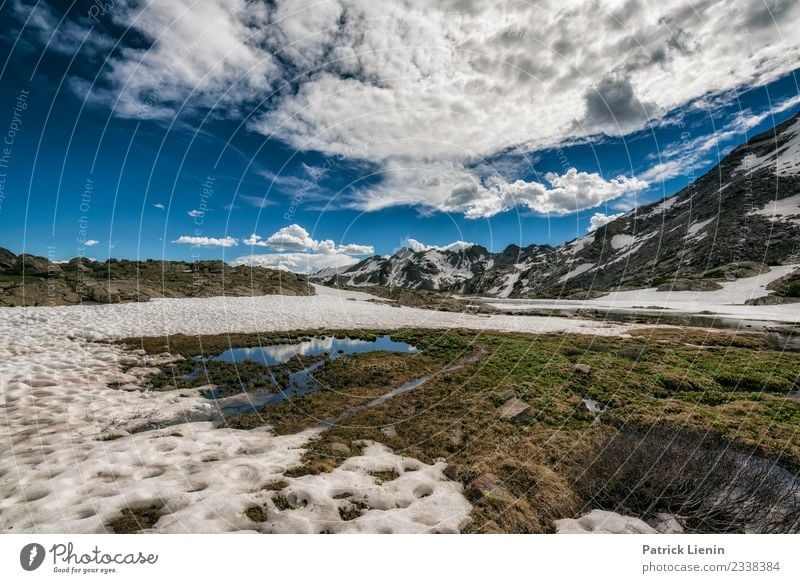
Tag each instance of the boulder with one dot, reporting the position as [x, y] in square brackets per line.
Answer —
[582, 368]
[515, 410]
[487, 486]
[104, 295]
[76, 264]
[27, 264]
[389, 431]
[506, 395]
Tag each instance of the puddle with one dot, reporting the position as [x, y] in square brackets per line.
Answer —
[299, 382]
[334, 347]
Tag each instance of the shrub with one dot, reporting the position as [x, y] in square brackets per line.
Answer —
[714, 485]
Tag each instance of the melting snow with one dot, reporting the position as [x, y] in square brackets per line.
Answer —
[785, 209]
[58, 475]
[621, 241]
[697, 226]
[785, 160]
[582, 268]
[727, 302]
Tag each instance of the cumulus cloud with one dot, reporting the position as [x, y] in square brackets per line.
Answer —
[91, 242]
[296, 262]
[415, 245]
[450, 188]
[420, 85]
[295, 250]
[206, 241]
[600, 219]
[354, 249]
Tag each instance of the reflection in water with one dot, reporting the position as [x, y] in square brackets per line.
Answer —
[334, 347]
[299, 382]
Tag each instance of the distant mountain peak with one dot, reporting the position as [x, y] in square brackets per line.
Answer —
[746, 209]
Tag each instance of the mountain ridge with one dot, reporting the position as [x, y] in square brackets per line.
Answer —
[742, 214]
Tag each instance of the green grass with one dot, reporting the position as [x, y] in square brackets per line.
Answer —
[691, 379]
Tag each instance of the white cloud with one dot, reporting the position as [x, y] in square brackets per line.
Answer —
[600, 219]
[158, 205]
[206, 241]
[296, 262]
[690, 155]
[297, 251]
[296, 238]
[354, 249]
[415, 245]
[256, 201]
[195, 213]
[422, 85]
[91, 242]
[453, 189]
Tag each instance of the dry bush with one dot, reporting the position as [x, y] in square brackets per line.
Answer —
[714, 485]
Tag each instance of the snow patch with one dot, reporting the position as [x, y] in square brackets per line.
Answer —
[785, 209]
[582, 268]
[621, 241]
[697, 226]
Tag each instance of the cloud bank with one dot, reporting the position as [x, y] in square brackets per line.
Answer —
[295, 250]
[417, 87]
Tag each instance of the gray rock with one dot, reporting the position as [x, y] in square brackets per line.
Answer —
[26, 264]
[507, 394]
[515, 410]
[582, 368]
[389, 431]
[104, 295]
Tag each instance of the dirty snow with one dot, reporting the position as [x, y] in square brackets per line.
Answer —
[57, 474]
[603, 522]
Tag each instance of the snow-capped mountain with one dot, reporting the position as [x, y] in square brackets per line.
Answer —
[431, 269]
[747, 208]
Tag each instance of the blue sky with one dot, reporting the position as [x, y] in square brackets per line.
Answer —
[312, 136]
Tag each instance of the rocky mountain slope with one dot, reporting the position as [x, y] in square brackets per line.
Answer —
[734, 221]
[35, 281]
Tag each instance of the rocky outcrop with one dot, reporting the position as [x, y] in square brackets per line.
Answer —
[27, 264]
[35, 281]
[7, 259]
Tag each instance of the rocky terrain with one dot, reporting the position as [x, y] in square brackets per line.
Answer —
[29, 280]
[735, 221]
